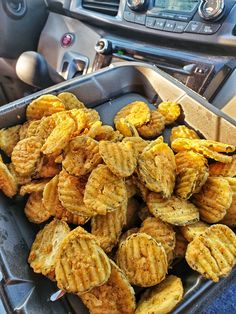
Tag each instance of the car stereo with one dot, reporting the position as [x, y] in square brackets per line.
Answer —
[191, 16]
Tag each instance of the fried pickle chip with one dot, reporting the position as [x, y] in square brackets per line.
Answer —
[84, 120]
[34, 210]
[42, 257]
[163, 298]
[222, 169]
[130, 187]
[70, 101]
[71, 194]
[180, 245]
[44, 106]
[60, 136]
[136, 143]
[142, 190]
[20, 180]
[170, 110]
[207, 148]
[33, 186]
[23, 130]
[113, 297]
[47, 167]
[104, 191]
[192, 173]
[230, 217]
[136, 113]
[45, 127]
[174, 210]
[101, 132]
[126, 128]
[162, 232]
[213, 253]
[154, 127]
[192, 231]
[156, 168]
[25, 155]
[142, 259]
[8, 183]
[32, 128]
[107, 228]
[119, 157]
[82, 156]
[127, 233]
[9, 138]
[81, 263]
[214, 199]
[182, 131]
[53, 205]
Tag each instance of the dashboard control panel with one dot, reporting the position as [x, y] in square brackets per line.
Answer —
[182, 16]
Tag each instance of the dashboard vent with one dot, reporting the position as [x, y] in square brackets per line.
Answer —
[108, 7]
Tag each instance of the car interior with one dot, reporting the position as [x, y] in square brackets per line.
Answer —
[46, 42]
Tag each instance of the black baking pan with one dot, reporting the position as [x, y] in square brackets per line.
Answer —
[107, 90]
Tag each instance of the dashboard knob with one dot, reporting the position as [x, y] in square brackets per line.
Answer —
[137, 5]
[211, 9]
[103, 46]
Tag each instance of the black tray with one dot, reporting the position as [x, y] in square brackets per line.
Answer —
[108, 90]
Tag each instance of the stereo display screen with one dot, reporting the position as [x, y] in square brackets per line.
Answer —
[176, 5]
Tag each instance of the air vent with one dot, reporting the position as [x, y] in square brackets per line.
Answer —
[108, 7]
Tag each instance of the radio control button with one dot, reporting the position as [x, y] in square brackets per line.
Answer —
[167, 15]
[140, 19]
[160, 23]
[150, 22]
[193, 27]
[209, 29]
[129, 16]
[169, 26]
[180, 27]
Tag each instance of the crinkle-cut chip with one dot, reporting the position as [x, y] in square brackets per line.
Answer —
[213, 253]
[137, 144]
[45, 127]
[53, 205]
[162, 232]
[130, 187]
[59, 159]
[70, 101]
[20, 180]
[42, 257]
[119, 158]
[127, 233]
[163, 298]
[132, 213]
[180, 245]
[9, 138]
[204, 147]
[84, 119]
[170, 110]
[154, 127]
[33, 186]
[189, 159]
[25, 155]
[23, 130]
[8, 183]
[143, 191]
[144, 213]
[156, 166]
[82, 156]
[71, 194]
[116, 296]
[230, 217]
[104, 191]
[107, 228]
[214, 199]
[32, 129]
[44, 106]
[126, 128]
[174, 210]
[60, 136]
[136, 113]
[101, 132]
[47, 167]
[143, 260]
[192, 231]
[222, 169]
[34, 210]
[81, 263]
[182, 131]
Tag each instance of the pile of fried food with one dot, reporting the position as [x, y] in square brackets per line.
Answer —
[143, 202]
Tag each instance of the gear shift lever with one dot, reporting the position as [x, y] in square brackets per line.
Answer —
[33, 69]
